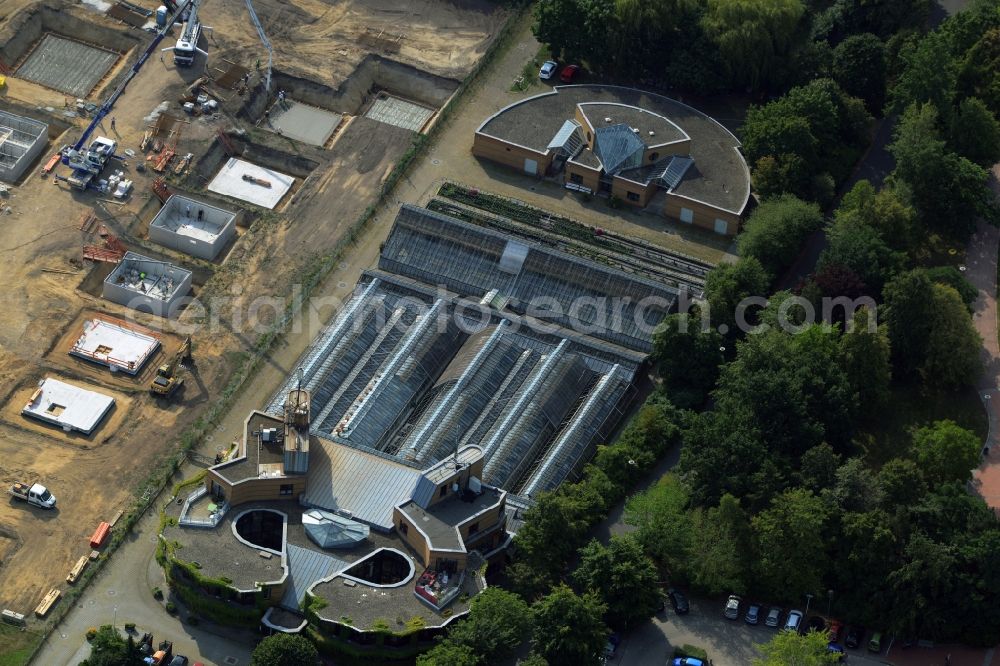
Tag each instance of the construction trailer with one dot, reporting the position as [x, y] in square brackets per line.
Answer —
[22, 140]
[148, 285]
[193, 227]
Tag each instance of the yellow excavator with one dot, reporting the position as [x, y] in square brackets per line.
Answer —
[167, 380]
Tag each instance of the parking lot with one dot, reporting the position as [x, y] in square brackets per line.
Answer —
[728, 642]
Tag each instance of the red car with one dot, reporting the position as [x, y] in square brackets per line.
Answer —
[836, 628]
[569, 73]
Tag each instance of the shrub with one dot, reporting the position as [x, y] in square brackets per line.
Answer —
[690, 651]
[171, 607]
[157, 594]
[91, 632]
[130, 627]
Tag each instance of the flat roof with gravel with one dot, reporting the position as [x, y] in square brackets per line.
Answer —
[718, 177]
[66, 65]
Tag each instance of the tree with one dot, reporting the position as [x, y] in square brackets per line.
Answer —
[946, 452]
[978, 74]
[776, 230]
[569, 629]
[623, 577]
[284, 650]
[791, 551]
[859, 248]
[753, 36]
[856, 488]
[577, 29]
[497, 623]
[859, 67]
[952, 277]
[660, 514]
[108, 648]
[950, 191]
[449, 653]
[953, 355]
[722, 542]
[975, 133]
[908, 320]
[818, 468]
[902, 483]
[790, 648]
[866, 360]
[885, 210]
[929, 74]
[688, 358]
[728, 285]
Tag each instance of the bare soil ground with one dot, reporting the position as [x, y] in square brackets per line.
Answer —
[47, 290]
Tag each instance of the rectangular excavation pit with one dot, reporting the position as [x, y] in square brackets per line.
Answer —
[252, 183]
[308, 124]
[21, 141]
[147, 285]
[67, 406]
[113, 343]
[398, 112]
[193, 227]
[66, 65]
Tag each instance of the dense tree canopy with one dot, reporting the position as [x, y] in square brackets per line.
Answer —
[569, 629]
[859, 68]
[623, 577]
[946, 452]
[688, 358]
[775, 231]
[789, 648]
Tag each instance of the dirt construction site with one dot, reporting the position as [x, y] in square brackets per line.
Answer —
[353, 83]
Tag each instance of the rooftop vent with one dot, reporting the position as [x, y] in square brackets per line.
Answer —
[635, 129]
[652, 133]
[607, 119]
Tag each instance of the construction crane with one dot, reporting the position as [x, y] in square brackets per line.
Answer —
[109, 103]
[187, 43]
[166, 381]
[265, 41]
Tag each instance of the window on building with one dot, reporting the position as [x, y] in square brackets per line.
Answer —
[687, 215]
[590, 137]
[632, 196]
[576, 178]
[473, 528]
[444, 491]
[266, 593]
[403, 527]
[653, 157]
[286, 489]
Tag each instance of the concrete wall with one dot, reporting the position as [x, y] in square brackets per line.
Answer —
[412, 536]
[508, 154]
[372, 74]
[253, 490]
[160, 231]
[123, 295]
[27, 141]
[702, 215]
[650, 155]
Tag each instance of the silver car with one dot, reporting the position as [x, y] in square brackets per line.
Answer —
[733, 607]
[794, 621]
[548, 70]
[753, 614]
[773, 618]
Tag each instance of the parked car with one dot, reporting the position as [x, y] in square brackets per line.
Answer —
[612, 646]
[179, 660]
[875, 642]
[773, 618]
[854, 637]
[835, 629]
[548, 70]
[732, 607]
[838, 650]
[569, 73]
[794, 620]
[678, 601]
[753, 614]
[687, 661]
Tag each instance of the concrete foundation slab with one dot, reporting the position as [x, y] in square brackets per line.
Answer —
[67, 406]
[66, 65]
[21, 141]
[193, 227]
[231, 182]
[399, 112]
[304, 123]
[114, 345]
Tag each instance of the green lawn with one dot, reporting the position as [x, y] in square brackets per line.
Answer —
[16, 646]
[910, 409]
